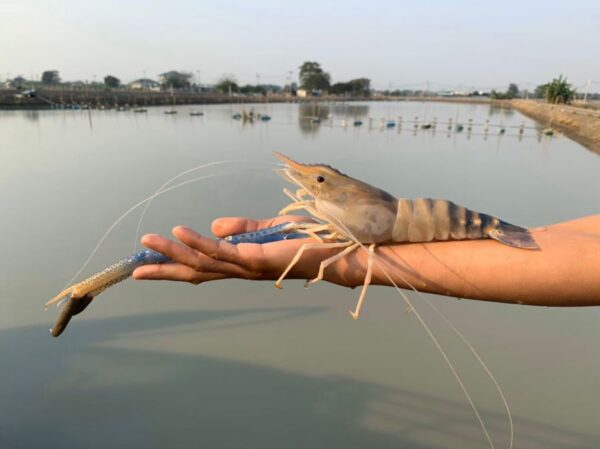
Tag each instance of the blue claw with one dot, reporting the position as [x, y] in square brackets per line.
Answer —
[283, 231]
[76, 298]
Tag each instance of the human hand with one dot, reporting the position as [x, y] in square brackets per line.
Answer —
[198, 259]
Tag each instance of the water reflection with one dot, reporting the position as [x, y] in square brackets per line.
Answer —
[156, 398]
[350, 110]
[32, 115]
[496, 109]
[311, 115]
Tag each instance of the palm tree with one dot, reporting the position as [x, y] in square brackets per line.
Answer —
[559, 91]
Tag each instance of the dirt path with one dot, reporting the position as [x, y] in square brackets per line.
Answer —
[579, 124]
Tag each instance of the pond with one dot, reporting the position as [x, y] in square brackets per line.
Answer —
[236, 364]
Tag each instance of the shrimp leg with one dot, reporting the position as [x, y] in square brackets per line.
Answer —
[328, 262]
[305, 247]
[368, 276]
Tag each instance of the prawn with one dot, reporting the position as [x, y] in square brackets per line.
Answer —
[353, 214]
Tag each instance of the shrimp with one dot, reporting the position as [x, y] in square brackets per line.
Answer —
[353, 213]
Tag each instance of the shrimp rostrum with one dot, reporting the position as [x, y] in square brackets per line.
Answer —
[353, 214]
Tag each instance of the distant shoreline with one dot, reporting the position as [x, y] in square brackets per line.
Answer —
[578, 123]
[108, 99]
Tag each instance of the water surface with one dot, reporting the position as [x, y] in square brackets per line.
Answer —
[239, 364]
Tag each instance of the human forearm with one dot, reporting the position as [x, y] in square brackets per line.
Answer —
[566, 272]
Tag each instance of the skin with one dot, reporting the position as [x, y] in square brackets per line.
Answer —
[566, 272]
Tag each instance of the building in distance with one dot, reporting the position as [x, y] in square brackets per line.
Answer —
[145, 84]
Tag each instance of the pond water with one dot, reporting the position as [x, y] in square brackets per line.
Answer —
[237, 364]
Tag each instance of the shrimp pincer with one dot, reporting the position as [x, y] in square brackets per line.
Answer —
[354, 214]
[75, 298]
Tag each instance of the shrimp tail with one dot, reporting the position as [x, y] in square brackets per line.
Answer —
[513, 235]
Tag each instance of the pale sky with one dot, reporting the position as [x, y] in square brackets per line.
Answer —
[449, 43]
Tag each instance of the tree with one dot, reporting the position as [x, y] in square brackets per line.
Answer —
[227, 84]
[174, 79]
[540, 91]
[512, 91]
[247, 89]
[312, 77]
[559, 91]
[360, 87]
[112, 81]
[50, 77]
[339, 88]
[495, 95]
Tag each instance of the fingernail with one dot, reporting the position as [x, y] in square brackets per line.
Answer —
[147, 238]
[180, 230]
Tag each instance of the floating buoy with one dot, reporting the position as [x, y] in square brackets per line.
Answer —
[548, 132]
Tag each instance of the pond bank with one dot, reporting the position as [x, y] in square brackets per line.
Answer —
[581, 125]
[115, 98]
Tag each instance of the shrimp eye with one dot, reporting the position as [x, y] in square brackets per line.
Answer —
[320, 179]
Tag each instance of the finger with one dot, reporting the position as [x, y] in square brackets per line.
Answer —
[175, 251]
[223, 227]
[216, 249]
[206, 264]
[194, 259]
[175, 272]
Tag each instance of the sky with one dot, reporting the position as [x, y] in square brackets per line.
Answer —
[450, 44]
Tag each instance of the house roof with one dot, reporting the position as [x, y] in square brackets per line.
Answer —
[144, 81]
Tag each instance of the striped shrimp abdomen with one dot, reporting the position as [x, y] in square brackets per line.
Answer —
[426, 220]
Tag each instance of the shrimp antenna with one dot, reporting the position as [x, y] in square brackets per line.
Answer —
[435, 341]
[179, 175]
[151, 197]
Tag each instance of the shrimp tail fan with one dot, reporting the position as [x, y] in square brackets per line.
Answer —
[513, 235]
